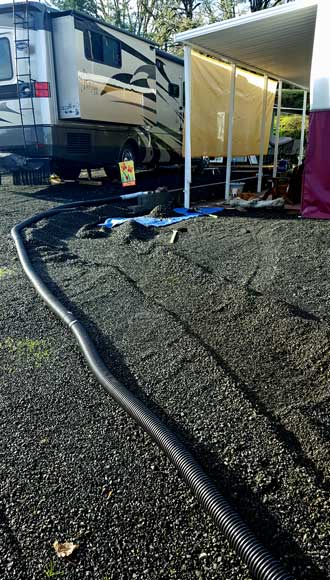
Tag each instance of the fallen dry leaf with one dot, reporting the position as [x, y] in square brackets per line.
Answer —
[65, 549]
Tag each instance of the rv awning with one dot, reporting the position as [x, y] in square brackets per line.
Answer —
[277, 42]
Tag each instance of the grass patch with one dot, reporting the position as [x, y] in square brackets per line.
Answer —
[172, 280]
[5, 272]
[32, 350]
[51, 571]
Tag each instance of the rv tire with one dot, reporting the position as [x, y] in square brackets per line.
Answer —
[129, 152]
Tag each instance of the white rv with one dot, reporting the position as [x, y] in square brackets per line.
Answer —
[79, 92]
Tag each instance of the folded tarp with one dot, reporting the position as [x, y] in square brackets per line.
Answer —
[257, 203]
[198, 211]
[148, 222]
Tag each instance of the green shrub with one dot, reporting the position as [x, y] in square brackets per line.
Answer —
[290, 126]
[293, 98]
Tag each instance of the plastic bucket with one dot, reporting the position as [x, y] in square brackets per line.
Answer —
[236, 188]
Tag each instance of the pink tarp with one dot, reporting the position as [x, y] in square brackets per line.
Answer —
[316, 182]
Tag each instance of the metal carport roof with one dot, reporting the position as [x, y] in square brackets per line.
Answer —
[278, 41]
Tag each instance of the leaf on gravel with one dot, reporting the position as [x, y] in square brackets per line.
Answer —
[65, 549]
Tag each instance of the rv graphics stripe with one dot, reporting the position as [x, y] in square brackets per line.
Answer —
[161, 67]
[108, 88]
[150, 71]
[5, 109]
[161, 87]
[143, 83]
[123, 78]
[8, 92]
[130, 50]
[160, 94]
[113, 83]
[150, 96]
[177, 136]
[129, 80]
[132, 80]
[134, 105]
[172, 152]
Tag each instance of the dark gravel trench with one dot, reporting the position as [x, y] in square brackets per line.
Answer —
[224, 334]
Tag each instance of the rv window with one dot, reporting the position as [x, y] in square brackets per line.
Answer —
[103, 49]
[6, 68]
[97, 46]
[112, 52]
[173, 90]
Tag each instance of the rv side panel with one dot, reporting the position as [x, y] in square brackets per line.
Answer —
[122, 89]
[167, 131]
[66, 71]
[103, 75]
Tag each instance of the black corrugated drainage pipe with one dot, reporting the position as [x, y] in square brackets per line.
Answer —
[260, 562]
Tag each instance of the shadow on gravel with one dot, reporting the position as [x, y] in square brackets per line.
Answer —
[247, 501]
[286, 437]
[322, 421]
[12, 546]
[74, 191]
[69, 192]
[300, 313]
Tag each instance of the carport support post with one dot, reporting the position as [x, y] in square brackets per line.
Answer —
[278, 120]
[187, 126]
[230, 129]
[303, 126]
[262, 133]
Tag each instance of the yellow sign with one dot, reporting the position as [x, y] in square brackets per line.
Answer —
[127, 173]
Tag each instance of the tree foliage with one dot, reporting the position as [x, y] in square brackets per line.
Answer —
[290, 126]
[293, 98]
[160, 20]
[256, 5]
[89, 6]
[221, 10]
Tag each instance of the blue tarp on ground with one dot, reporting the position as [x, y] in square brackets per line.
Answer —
[148, 222]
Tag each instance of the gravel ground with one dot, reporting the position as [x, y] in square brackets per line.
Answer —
[225, 334]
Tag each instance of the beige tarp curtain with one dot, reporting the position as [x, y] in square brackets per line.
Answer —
[210, 97]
